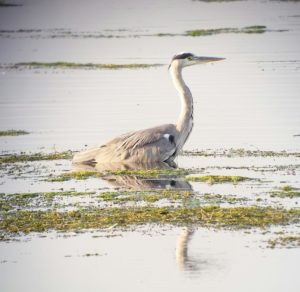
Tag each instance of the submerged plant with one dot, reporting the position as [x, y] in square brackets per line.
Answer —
[240, 152]
[13, 133]
[142, 173]
[212, 179]
[150, 196]
[207, 32]
[21, 201]
[288, 241]
[69, 65]
[13, 158]
[286, 192]
[239, 217]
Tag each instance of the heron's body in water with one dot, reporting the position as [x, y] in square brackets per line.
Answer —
[158, 144]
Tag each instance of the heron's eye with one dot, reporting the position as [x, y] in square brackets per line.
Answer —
[189, 58]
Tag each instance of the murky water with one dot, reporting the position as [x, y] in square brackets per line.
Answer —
[250, 101]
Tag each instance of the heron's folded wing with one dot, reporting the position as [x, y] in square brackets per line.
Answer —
[148, 136]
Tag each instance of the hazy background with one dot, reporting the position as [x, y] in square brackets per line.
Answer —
[249, 100]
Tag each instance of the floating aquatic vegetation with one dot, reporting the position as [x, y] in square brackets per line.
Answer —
[38, 200]
[211, 1]
[142, 173]
[18, 223]
[254, 29]
[207, 32]
[9, 4]
[162, 34]
[70, 65]
[21, 201]
[286, 192]
[13, 158]
[212, 179]
[123, 33]
[13, 133]
[91, 254]
[216, 199]
[150, 196]
[288, 241]
[79, 175]
[240, 152]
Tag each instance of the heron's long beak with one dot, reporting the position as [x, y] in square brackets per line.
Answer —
[207, 59]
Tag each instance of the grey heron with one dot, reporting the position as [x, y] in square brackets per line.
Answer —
[158, 144]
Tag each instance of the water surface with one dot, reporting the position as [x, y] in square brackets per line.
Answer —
[249, 101]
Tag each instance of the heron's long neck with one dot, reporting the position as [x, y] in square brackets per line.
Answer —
[185, 121]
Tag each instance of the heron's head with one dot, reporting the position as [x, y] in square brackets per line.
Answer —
[185, 59]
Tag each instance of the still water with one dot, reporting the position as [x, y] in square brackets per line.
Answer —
[251, 100]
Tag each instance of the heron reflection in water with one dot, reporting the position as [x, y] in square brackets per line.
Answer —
[136, 183]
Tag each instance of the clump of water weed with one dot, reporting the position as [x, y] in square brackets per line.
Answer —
[240, 152]
[88, 254]
[8, 4]
[213, 179]
[208, 32]
[288, 241]
[141, 173]
[286, 191]
[14, 223]
[13, 133]
[254, 29]
[13, 158]
[216, 199]
[150, 196]
[21, 201]
[152, 172]
[162, 34]
[69, 65]
[79, 175]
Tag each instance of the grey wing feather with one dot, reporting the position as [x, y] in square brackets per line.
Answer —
[148, 145]
[141, 138]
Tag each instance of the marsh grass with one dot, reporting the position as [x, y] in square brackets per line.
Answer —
[213, 179]
[120, 33]
[143, 173]
[240, 152]
[13, 133]
[78, 175]
[288, 241]
[21, 201]
[286, 191]
[86, 66]
[150, 196]
[208, 32]
[18, 223]
[216, 199]
[9, 4]
[14, 158]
